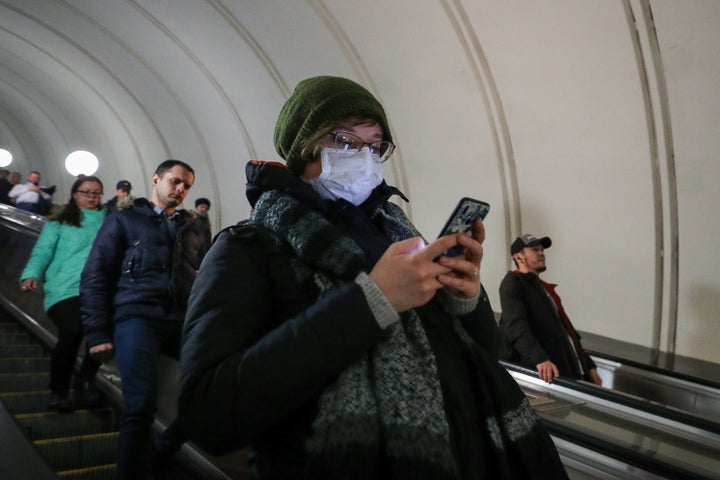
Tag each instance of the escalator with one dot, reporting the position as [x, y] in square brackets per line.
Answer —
[605, 434]
[600, 433]
[693, 394]
[77, 445]
[80, 445]
[41, 445]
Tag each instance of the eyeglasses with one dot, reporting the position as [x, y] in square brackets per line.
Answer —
[89, 193]
[352, 144]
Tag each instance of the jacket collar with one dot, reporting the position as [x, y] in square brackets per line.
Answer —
[145, 207]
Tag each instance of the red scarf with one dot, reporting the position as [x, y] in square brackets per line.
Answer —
[572, 333]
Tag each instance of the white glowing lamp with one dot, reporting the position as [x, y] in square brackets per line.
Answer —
[6, 158]
[81, 162]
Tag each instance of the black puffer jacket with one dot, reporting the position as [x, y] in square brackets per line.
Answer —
[137, 267]
[259, 346]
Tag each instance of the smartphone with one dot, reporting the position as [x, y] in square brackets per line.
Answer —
[462, 219]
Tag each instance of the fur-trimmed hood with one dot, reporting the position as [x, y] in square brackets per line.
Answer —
[142, 202]
[126, 203]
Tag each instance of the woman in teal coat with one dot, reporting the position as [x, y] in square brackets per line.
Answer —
[57, 261]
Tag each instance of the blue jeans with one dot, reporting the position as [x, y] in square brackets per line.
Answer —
[138, 343]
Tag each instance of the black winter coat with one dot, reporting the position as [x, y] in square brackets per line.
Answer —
[137, 267]
[530, 327]
[259, 347]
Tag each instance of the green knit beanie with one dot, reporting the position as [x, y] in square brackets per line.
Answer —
[318, 103]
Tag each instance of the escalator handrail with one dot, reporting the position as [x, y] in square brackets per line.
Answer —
[655, 369]
[626, 455]
[25, 222]
[626, 400]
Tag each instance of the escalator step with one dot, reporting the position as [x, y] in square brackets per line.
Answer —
[100, 472]
[12, 351]
[15, 338]
[8, 327]
[48, 425]
[26, 402]
[24, 364]
[80, 451]
[78, 446]
[23, 382]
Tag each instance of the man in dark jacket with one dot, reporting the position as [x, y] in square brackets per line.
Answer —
[133, 296]
[202, 217]
[5, 186]
[536, 331]
[122, 190]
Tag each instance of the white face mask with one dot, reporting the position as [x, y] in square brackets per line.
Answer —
[352, 177]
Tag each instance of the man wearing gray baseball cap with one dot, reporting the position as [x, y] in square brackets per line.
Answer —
[536, 331]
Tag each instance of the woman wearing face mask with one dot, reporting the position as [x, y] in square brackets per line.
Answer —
[57, 260]
[322, 334]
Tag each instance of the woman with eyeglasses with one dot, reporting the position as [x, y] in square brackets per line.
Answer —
[57, 261]
[326, 336]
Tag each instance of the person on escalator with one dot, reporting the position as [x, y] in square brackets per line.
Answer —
[323, 334]
[133, 295]
[5, 186]
[536, 331]
[31, 197]
[56, 262]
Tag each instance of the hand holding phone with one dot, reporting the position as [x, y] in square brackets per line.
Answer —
[462, 219]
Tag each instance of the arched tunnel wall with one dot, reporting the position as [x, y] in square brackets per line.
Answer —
[592, 122]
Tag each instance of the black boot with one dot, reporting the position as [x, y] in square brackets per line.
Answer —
[60, 402]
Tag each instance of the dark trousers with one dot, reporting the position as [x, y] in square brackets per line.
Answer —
[66, 316]
[28, 207]
[138, 343]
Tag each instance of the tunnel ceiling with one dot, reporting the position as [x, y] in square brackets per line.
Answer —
[559, 113]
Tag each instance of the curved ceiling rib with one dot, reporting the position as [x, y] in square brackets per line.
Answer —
[665, 192]
[669, 186]
[243, 33]
[96, 61]
[580, 139]
[30, 99]
[497, 121]
[237, 27]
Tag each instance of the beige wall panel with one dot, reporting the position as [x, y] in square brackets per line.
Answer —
[689, 36]
[569, 83]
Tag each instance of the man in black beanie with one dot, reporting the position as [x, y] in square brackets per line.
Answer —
[202, 219]
[122, 191]
[5, 186]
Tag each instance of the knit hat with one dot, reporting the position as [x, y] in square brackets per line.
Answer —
[318, 103]
[202, 201]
